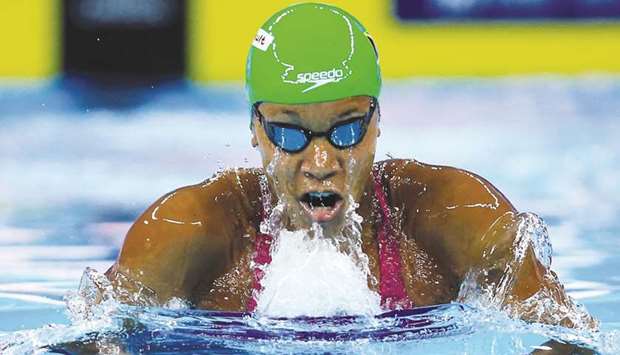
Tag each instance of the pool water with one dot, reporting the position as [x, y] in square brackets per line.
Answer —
[79, 164]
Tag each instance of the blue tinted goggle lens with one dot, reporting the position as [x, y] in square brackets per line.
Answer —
[288, 138]
[348, 134]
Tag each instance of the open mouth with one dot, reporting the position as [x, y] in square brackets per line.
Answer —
[322, 206]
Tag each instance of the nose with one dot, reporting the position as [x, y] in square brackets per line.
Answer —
[320, 161]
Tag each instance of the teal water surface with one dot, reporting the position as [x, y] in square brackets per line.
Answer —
[76, 171]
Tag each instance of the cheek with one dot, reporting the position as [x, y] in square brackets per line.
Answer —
[283, 169]
[359, 169]
[270, 156]
[280, 169]
[362, 156]
[360, 163]
[266, 151]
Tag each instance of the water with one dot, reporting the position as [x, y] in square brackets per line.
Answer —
[75, 174]
[310, 274]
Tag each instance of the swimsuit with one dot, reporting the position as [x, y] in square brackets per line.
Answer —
[391, 284]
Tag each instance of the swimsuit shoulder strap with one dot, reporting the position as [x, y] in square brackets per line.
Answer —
[262, 248]
[391, 284]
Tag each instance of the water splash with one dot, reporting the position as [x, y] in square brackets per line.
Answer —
[352, 241]
[112, 327]
[92, 309]
[483, 290]
[313, 274]
[310, 276]
[503, 329]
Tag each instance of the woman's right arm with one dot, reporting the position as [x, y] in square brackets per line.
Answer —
[182, 239]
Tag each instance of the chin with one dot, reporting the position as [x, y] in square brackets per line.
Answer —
[333, 227]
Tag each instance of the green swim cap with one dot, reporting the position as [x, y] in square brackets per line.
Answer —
[309, 53]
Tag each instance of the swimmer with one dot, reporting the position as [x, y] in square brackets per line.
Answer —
[313, 82]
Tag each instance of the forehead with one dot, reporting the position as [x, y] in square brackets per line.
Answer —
[322, 111]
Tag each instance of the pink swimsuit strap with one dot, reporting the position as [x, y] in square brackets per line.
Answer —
[261, 258]
[391, 284]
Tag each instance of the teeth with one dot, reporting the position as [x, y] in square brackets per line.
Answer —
[321, 199]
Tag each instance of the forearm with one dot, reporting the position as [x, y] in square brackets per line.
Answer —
[553, 347]
[539, 296]
[515, 271]
[130, 291]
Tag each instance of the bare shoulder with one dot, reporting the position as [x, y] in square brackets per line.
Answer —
[447, 210]
[197, 206]
[441, 186]
[231, 185]
[186, 229]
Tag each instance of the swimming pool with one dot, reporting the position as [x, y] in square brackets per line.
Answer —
[75, 172]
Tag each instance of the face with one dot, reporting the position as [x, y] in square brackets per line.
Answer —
[316, 185]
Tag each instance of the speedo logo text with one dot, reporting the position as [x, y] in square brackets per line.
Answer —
[319, 78]
[312, 77]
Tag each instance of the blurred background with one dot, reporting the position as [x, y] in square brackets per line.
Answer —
[207, 40]
[107, 105]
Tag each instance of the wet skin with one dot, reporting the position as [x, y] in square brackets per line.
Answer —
[196, 243]
[320, 166]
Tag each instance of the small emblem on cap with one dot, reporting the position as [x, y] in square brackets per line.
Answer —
[262, 40]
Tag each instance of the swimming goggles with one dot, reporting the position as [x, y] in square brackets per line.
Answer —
[292, 138]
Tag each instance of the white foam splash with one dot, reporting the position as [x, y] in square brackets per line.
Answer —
[310, 276]
[482, 290]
